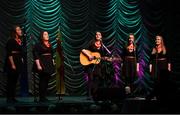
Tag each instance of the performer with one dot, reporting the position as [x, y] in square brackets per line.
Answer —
[160, 68]
[44, 64]
[130, 64]
[94, 70]
[159, 59]
[14, 62]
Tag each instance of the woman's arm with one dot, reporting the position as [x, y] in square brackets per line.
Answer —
[9, 48]
[38, 64]
[169, 66]
[85, 52]
[137, 67]
[150, 67]
[36, 57]
[12, 62]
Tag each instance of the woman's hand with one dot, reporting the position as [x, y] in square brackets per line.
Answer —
[150, 68]
[169, 66]
[91, 58]
[54, 63]
[39, 68]
[13, 67]
[137, 67]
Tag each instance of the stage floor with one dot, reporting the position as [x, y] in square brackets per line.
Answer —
[30, 101]
[80, 104]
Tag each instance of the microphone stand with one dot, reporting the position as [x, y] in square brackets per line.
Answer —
[156, 63]
[24, 79]
[109, 52]
[135, 51]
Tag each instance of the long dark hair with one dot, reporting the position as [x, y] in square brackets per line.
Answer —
[128, 42]
[13, 32]
[41, 36]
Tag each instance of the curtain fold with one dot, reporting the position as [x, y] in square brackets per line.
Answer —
[77, 21]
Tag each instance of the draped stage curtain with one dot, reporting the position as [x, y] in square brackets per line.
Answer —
[75, 23]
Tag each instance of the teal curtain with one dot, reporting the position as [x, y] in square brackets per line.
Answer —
[77, 21]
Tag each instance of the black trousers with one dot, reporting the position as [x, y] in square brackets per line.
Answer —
[43, 84]
[12, 77]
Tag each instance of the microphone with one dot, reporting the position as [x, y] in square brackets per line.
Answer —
[23, 31]
[131, 42]
[22, 27]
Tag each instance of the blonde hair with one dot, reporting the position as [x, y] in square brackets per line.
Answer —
[162, 46]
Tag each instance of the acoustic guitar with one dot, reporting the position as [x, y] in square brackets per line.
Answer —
[84, 60]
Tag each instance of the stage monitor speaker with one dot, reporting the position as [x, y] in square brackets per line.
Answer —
[112, 94]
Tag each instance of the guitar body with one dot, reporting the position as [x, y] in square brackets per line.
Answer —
[85, 61]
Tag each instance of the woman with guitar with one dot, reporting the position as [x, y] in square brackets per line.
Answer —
[93, 67]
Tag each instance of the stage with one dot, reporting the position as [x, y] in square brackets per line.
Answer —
[80, 104]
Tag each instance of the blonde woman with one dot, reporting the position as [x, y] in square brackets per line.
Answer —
[159, 59]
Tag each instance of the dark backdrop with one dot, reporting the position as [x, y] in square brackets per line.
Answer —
[76, 22]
